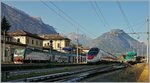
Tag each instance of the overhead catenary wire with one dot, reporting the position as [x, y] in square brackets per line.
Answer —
[67, 21]
[139, 23]
[58, 14]
[99, 17]
[126, 20]
[104, 19]
[125, 17]
[79, 25]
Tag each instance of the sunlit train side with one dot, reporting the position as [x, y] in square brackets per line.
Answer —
[96, 55]
[28, 55]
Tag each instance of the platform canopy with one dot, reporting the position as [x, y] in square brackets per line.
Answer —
[67, 48]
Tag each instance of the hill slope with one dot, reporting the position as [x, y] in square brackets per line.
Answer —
[20, 20]
[117, 41]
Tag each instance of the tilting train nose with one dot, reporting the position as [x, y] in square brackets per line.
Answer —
[90, 57]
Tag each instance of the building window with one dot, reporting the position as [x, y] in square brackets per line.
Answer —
[18, 40]
[36, 42]
[9, 39]
[58, 45]
[32, 41]
[6, 39]
[41, 43]
[27, 40]
[48, 44]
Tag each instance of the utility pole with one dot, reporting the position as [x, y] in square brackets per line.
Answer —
[51, 48]
[137, 49]
[77, 45]
[130, 46]
[148, 40]
[138, 53]
[142, 49]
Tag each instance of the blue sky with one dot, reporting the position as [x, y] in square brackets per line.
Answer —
[83, 12]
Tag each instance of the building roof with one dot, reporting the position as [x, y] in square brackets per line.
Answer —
[6, 35]
[54, 37]
[24, 33]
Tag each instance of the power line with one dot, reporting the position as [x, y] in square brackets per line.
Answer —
[58, 14]
[99, 17]
[84, 29]
[136, 24]
[102, 15]
[142, 24]
[125, 17]
[67, 21]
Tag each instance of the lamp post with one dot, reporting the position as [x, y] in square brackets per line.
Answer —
[8, 54]
[51, 47]
[77, 46]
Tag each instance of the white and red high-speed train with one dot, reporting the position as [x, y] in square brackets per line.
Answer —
[96, 55]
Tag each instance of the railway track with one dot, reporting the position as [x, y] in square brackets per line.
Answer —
[73, 76]
[23, 72]
[11, 67]
[83, 75]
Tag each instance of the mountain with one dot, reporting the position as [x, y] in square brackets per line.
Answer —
[20, 20]
[117, 41]
[82, 38]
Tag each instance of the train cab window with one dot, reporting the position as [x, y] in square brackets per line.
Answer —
[93, 51]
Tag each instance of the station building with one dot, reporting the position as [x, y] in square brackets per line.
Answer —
[18, 39]
[23, 39]
[56, 41]
[10, 46]
[29, 39]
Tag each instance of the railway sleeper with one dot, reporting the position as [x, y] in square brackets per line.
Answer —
[86, 75]
[39, 78]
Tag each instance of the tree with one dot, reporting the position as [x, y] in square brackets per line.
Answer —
[5, 26]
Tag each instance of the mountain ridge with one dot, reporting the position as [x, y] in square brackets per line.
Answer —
[117, 41]
[21, 20]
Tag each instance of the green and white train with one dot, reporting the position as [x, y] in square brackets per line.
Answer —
[28, 55]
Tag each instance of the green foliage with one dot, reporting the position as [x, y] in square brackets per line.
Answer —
[5, 26]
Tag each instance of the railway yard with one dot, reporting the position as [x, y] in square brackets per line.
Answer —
[97, 66]
[110, 72]
[88, 41]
